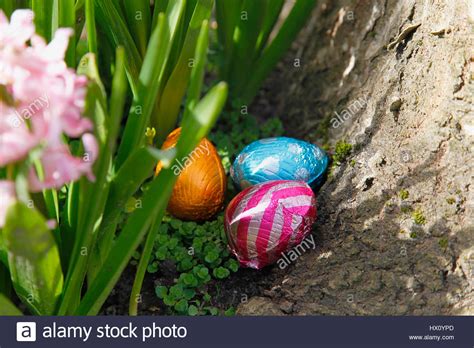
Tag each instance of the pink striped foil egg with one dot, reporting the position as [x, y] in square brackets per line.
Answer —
[264, 221]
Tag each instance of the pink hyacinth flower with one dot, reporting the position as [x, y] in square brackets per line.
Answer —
[60, 167]
[48, 101]
[7, 198]
[16, 140]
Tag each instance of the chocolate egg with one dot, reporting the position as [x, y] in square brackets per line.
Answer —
[199, 191]
[279, 158]
[265, 220]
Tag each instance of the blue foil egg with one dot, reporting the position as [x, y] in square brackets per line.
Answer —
[279, 158]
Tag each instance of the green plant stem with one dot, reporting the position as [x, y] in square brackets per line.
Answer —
[94, 195]
[90, 26]
[43, 10]
[142, 267]
[64, 16]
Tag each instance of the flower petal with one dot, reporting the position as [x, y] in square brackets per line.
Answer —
[7, 198]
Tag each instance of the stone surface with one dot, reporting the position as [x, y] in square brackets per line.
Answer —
[410, 119]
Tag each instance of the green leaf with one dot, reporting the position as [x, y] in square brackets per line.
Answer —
[245, 37]
[177, 291]
[90, 26]
[33, 257]
[232, 265]
[7, 308]
[230, 312]
[204, 115]
[297, 18]
[272, 13]
[211, 256]
[145, 97]
[193, 310]
[153, 267]
[43, 10]
[169, 300]
[197, 72]
[112, 23]
[160, 7]
[190, 280]
[166, 157]
[176, 224]
[213, 310]
[3, 250]
[138, 17]
[202, 272]
[170, 101]
[138, 167]
[6, 286]
[161, 291]
[181, 306]
[93, 195]
[64, 16]
[228, 13]
[206, 297]
[189, 294]
[221, 273]
[186, 264]
[162, 253]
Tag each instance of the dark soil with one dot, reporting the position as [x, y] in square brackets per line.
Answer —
[236, 289]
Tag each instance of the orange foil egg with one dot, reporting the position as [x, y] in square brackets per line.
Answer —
[199, 191]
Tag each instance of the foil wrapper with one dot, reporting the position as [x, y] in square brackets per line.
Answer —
[279, 158]
[265, 220]
[200, 189]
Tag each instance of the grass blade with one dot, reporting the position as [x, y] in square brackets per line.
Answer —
[117, 102]
[276, 49]
[43, 10]
[197, 73]
[160, 7]
[112, 23]
[64, 16]
[90, 27]
[151, 79]
[227, 14]
[245, 38]
[272, 13]
[137, 13]
[166, 115]
[7, 308]
[138, 167]
[204, 115]
[91, 196]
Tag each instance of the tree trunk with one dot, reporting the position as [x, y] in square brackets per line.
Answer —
[394, 78]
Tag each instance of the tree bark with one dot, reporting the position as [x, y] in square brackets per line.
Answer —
[396, 80]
